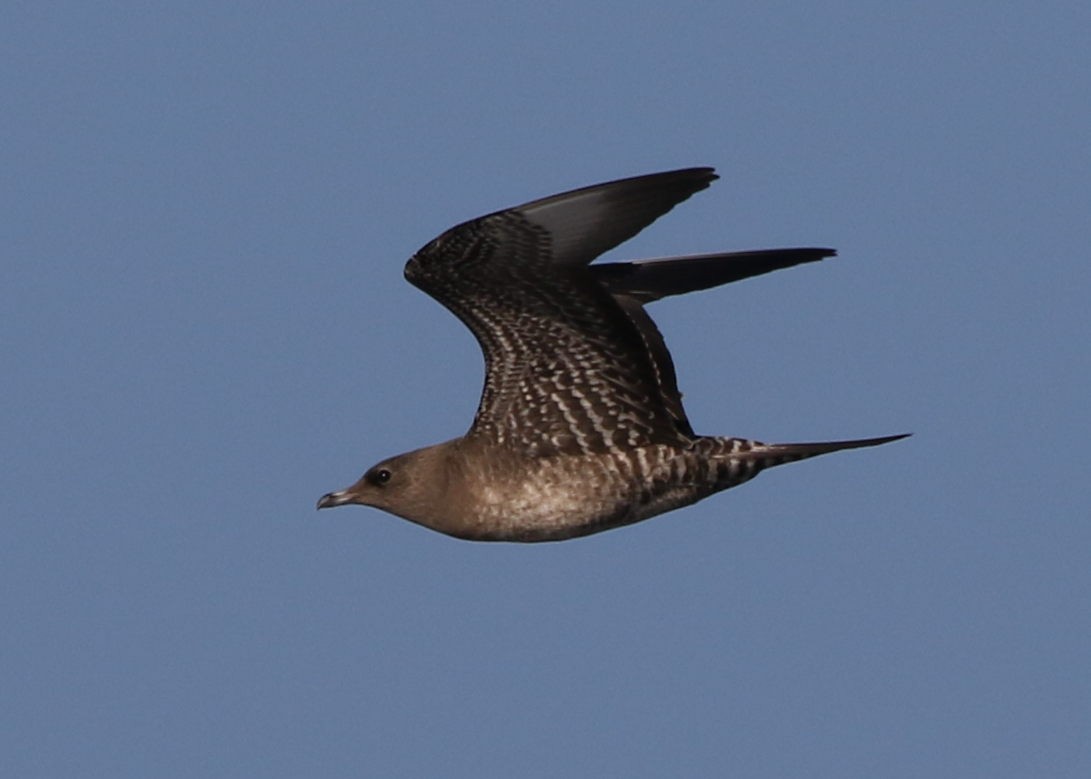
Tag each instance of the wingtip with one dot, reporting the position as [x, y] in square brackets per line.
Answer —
[704, 174]
[707, 172]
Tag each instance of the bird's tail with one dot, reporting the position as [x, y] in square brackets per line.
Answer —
[777, 454]
[736, 460]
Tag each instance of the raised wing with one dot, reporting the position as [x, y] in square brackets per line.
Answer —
[566, 369]
[573, 363]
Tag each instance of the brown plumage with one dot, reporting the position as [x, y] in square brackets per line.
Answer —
[580, 427]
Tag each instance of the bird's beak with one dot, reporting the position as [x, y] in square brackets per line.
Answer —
[331, 499]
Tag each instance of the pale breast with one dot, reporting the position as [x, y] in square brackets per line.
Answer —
[562, 497]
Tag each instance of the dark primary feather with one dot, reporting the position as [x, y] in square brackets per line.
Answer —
[584, 223]
[648, 280]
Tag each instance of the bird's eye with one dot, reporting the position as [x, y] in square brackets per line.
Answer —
[381, 476]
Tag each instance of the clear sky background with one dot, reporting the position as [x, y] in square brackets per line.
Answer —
[206, 210]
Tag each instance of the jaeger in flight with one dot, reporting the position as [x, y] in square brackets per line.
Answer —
[580, 426]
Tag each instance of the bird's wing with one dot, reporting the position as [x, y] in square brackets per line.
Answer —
[567, 369]
[635, 283]
[648, 280]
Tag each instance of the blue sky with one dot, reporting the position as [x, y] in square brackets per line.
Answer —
[207, 209]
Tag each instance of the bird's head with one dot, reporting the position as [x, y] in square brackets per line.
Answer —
[410, 485]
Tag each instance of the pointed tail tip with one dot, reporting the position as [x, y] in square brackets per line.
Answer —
[856, 443]
[787, 453]
[886, 439]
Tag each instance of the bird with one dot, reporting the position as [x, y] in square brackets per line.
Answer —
[580, 426]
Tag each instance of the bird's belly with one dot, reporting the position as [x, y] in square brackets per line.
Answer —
[568, 497]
